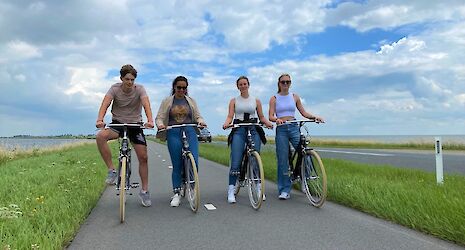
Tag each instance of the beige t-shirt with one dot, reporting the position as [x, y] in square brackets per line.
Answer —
[127, 107]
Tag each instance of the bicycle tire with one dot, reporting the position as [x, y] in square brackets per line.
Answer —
[122, 189]
[256, 185]
[313, 178]
[192, 182]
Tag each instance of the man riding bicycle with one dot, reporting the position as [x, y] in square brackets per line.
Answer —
[127, 99]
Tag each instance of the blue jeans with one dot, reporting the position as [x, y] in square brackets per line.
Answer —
[239, 141]
[174, 142]
[285, 134]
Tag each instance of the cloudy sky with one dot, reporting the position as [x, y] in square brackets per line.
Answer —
[390, 67]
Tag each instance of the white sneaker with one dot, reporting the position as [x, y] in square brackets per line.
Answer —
[259, 189]
[175, 200]
[284, 196]
[231, 195]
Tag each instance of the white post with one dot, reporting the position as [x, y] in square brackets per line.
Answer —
[439, 167]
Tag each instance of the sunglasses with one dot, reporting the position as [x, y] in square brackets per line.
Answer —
[285, 82]
[181, 88]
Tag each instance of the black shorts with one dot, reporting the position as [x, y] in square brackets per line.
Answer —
[135, 135]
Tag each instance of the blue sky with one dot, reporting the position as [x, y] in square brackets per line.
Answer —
[368, 67]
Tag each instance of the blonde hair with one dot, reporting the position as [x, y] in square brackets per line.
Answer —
[279, 79]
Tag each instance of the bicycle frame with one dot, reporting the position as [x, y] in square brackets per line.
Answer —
[249, 148]
[299, 152]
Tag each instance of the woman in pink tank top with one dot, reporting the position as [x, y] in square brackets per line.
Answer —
[282, 109]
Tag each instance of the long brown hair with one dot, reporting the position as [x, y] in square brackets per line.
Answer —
[178, 79]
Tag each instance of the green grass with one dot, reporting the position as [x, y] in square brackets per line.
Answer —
[422, 145]
[46, 195]
[405, 196]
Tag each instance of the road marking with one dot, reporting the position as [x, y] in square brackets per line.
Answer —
[209, 206]
[355, 153]
[170, 166]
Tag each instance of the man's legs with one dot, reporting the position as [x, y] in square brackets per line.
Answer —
[102, 138]
[141, 152]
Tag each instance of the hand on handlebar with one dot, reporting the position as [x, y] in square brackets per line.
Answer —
[227, 125]
[268, 125]
[149, 124]
[279, 121]
[202, 124]
[100, 124]
[319, 119]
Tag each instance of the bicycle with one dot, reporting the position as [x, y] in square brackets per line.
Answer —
[309, 169]
[251, 170]
[189, 175]
[124, 184]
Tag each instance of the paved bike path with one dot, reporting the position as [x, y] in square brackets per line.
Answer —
[278, 224]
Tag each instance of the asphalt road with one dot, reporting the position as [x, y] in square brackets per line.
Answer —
[290, 224]
[453, 162]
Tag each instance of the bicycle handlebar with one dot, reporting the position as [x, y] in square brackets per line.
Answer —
[121, 125]
[298, 121]
[243, 125]
[181, 126]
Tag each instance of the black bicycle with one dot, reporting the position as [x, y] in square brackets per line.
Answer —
[251, 170]
[307, 168]
[124, 184]
[189, 175]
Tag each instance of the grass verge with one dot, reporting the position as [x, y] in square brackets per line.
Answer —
[404, 196]
[45, 196]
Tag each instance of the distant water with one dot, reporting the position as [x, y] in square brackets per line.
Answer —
[454, 139]
[29, 143]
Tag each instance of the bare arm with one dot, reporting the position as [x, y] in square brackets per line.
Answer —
[103, 110]
[230, 116]
[302, 111]
[272, 111]
[148, 111]
[261, 116]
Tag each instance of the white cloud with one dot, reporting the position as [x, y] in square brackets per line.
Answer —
[56, 62]
[391, 14]
[17, 51]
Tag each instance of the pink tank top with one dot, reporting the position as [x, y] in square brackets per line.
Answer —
[285, 105]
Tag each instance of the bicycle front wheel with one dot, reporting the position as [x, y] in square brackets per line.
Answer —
[255, 177]
[313, 176]
[192, 182]
[122, 189]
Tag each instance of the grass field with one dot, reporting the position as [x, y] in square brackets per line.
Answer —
[405, 196]
[46, 195]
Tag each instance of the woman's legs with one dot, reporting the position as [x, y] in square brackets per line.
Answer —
[282, 151]
[237, 150]
[174, 147]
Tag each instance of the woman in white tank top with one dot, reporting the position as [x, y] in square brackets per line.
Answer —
[282, 108]
[243, 108]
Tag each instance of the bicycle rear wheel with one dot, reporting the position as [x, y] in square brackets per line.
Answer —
[255, 177]
[192, 182]
[313, 176]
[122, 189]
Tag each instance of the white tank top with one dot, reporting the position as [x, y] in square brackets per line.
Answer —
[245, 105]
